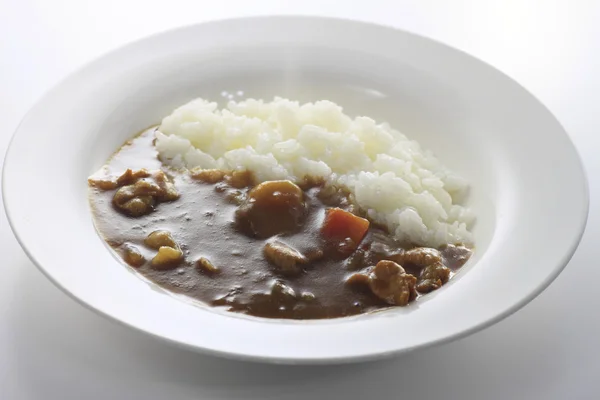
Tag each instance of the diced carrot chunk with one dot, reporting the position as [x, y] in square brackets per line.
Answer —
[340, 225]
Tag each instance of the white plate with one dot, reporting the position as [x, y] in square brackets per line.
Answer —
[528, 186]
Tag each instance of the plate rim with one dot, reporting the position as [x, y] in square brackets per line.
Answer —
[560, 264]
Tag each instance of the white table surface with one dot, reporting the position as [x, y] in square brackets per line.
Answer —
[53, 348]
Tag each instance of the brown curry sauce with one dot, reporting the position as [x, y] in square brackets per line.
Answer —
[223, 260]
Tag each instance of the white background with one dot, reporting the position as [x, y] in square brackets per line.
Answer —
[53, 348]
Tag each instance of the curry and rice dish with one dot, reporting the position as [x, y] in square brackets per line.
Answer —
[281, 210]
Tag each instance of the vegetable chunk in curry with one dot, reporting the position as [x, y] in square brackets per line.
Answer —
[272, 249]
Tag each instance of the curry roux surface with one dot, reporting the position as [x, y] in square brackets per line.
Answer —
[202, 222]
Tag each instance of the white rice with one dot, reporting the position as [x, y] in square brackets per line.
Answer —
[390, 176]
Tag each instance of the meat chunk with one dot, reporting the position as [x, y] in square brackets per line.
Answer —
[128, 203]
[334, 196]
[456, 255]
[103, 183]
[286, 259]
[308, 297]
[208, 175]
[130, 176]
[111, 183]
[314, 254]
[419, 256]
[146, 187]
[239, 179]
[132, 256]
[271, 208]
[282, 293]
[358, 279]
[205, 265]
[235, 196]
[433, 277]
[167, 258]
[139, 198]
[167, 188]
[158, 239]
[309, 182]
[391, 283]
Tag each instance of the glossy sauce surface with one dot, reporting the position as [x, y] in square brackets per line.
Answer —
[203, 223]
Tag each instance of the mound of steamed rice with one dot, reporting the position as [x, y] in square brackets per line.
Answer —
[399, 184]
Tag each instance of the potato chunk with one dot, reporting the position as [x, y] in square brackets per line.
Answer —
[272, 208]
[167, 257]
[276, 193]
[157, 239]
[132, 256]
[205, 265]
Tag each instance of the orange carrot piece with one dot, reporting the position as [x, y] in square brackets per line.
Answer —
[340, 224]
